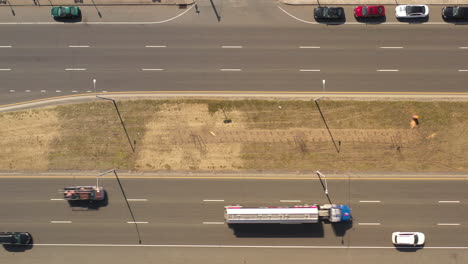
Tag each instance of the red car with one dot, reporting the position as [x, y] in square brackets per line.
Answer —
[369, 11]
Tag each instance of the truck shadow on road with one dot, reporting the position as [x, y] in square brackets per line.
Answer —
[278, 230]
[339, 229]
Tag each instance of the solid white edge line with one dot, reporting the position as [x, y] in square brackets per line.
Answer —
[75, 69]
[448, 224]
[309, 47]
[369, 201]
[230, 69]
[369, 224]
[150, 46]
[238, 246]
[137, 200]
[290, 201]
[449, 201]
[130, 222]
[391, 47]
[78, 46]
[213, 223]
[388, 70]
[213, 200]
[60, 222]
[231, 47]
[152, 69]
[309, 70]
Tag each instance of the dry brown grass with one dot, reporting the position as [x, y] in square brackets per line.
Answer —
[263, 135]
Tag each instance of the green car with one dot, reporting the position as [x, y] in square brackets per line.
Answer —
[66, 12]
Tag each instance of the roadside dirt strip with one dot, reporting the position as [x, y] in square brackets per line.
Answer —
[238, 135]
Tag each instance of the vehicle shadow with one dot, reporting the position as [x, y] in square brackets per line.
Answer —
[459, 21]
[371, 20]
[278, 230]
[340, 228]
[331, 22]
[408, 248]
[413, 20]
[90, 205]
[69, 20]
[20, 248]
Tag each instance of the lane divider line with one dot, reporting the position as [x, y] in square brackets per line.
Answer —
[54, 199]
[369, 201]
[449, 201]
[137, 200]
[463, 47]
[230, 69]
[463, 70]
[231, 47]
[75, 69]
[5, 69]
[78, 46]
[372, 224]
[388, 70]
[155, 46]
[137, 222]
[290, 201]
[309, 70]
[152, 69]
[213, 223]
[12, 91]
[43, 91]
[60, 222]
[309, 47]
[448, 224]
[391, 47]
[5, 46]
[213, 200]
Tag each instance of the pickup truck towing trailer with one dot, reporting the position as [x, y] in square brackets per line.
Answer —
[299, 214]
[83, 193]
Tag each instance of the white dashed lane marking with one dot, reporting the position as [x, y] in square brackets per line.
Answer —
[53, 199]
[155, 46]
[152, 69]
[448, 224]
[213, 200]
[388, 70]
[5, 69]
[230, 69]
[5, 46]
[213, 223]
[231, 47]
[60, 222]
[290, 201]
[137, 222]
[78, 46]
[373, 224]
[309, 70]
[369, 201]
[75, 69]
[449, 201]
[137, 200]
[309, 47]
[391, 47]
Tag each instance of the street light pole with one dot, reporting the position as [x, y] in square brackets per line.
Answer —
[324, 185]
[94, 85]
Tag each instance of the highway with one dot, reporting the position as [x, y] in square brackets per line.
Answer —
[257, 47]
[190, 211]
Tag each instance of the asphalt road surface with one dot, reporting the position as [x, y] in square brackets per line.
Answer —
[254, 46]
[190, 211]
[186, 215]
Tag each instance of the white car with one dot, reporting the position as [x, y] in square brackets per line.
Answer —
[411, 11]
[408, 238]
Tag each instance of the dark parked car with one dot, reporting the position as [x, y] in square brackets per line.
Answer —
[329, 13]
[455, 12]
[15, 238]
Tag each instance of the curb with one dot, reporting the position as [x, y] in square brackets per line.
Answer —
[36, 3]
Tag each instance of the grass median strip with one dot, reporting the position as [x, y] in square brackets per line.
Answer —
[237, 135]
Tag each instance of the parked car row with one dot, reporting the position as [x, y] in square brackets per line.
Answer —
[401, 11]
